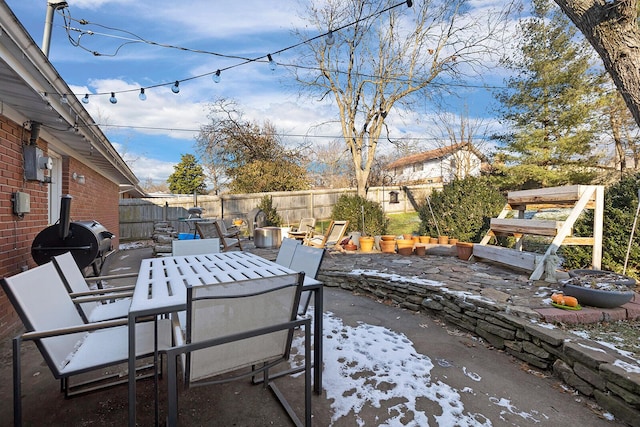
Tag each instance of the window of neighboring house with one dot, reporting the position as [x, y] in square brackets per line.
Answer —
[55, 187]
[418, 167]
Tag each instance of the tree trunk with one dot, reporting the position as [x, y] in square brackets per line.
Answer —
[612, 29]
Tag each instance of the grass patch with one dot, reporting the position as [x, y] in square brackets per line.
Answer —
[402, 223]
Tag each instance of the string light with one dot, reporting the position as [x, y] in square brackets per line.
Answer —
[64, 99]
[272, 63]
[330, 38]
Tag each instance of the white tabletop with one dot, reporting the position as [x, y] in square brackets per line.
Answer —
[162, 282]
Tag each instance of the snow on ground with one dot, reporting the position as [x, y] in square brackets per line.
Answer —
[370, 366]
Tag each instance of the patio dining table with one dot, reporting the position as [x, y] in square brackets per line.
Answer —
[161, 288]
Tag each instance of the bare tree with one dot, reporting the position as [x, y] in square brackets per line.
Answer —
[329, 167]
[385, 55]
[611, 27]
[466, 135]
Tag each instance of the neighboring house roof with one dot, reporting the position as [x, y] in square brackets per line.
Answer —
[438, 153]
[30, 83]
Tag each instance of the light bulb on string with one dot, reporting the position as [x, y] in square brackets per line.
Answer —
[113, 98]
[142, 96]
[216, 77]
[85, 100]
[175, 88]
[272, 63]
[63, 99]
[330, 38]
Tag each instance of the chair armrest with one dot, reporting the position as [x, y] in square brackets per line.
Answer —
[83, 299]
[35, 335]
[111, 277]
[120, 292]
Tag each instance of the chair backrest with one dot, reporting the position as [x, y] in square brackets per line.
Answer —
[207, 230]
[307, 259]
[195, 246]
[285, 253]
[40, 298]
[73, 280]
[222, 227]
[223, 309]
[306, 224]
[336, 231]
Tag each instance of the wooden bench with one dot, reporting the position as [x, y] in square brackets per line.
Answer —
[512, 222]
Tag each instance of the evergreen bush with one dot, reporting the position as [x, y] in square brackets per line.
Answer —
[463, 209]
[273, 218]
[351, 208]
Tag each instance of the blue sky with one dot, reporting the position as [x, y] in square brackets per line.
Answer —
[152, 135]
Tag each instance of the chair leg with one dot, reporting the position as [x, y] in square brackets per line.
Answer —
[172, 392]
[17, 383]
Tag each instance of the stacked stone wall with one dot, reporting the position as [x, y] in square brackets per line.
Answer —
[590, 368]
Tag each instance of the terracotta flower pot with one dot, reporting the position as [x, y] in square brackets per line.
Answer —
[405, 246]
[407, 236]
[388, 246]
[421, 250]
[453, 241]
[405, 250]
[433, 240]
[388, 237]
[464, 250]
[366, 243]
[443, 240]
[424, 239]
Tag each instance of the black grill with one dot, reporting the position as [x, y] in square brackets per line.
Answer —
[88, 241]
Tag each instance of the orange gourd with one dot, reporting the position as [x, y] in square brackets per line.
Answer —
[558, 298]
[570, 301]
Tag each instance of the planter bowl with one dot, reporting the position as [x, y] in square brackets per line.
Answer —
[350, 247]
[388, 237]
[601, 276]
[598, 298]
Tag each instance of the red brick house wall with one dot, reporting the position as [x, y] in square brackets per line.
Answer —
[96, 199]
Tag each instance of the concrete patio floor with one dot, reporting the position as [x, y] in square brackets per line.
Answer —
[463, 381]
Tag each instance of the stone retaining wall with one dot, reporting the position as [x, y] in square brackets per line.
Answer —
[590, 368]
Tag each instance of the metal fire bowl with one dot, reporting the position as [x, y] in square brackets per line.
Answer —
[267, 237]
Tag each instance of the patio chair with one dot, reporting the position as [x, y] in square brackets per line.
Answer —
[94, 305]
[306, 227]
[286, 251]
[331, 238]
[68, 345]
[195, 246]
[229, 237]
[240, 329]
[306, 259]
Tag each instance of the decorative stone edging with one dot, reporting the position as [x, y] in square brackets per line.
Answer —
[590, 368]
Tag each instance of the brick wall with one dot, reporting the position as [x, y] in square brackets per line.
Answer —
[16, 233]
[96, 199]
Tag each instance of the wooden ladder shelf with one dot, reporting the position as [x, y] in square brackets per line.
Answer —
[577, 197]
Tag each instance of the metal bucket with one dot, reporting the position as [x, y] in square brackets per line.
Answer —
[267, 237]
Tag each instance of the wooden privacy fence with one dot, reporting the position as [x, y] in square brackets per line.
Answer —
[138, 216]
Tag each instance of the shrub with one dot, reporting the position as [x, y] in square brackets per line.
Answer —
[351, 208]
[620, 205]
[273, 218]
[463, 209]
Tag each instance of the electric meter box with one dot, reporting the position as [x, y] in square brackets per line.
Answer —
[21, 203]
